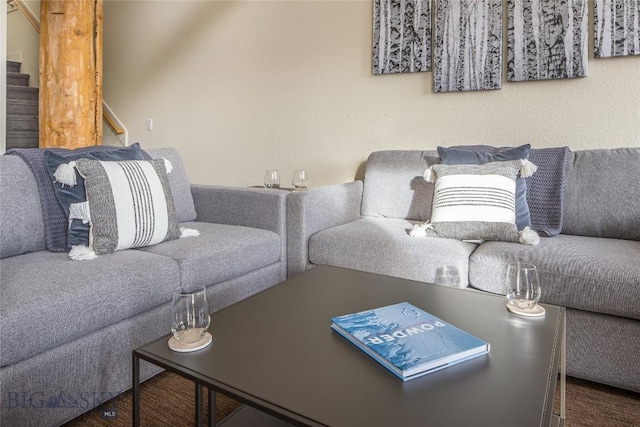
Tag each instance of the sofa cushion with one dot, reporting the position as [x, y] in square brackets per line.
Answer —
[456, 156]
[21, 221]
[130, 204]
[394, 187]
[602, 197]
[220, 252]
[47, 300]
[585, 273]
[69, 193]
[383, 246]
[179, 183]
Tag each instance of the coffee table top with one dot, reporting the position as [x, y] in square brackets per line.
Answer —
[277, 352]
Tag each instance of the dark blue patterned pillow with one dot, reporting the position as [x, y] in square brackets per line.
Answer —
[479, 155]
[73, 198]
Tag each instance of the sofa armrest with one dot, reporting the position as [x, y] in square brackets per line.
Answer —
[248, 207]
[311, 211]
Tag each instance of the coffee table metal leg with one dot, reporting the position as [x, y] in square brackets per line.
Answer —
[198, 404]
[212, 407]
[563, 375]
[136, 390]
[558, 420]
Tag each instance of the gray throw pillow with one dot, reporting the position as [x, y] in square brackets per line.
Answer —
[479, 155]
[130, 204]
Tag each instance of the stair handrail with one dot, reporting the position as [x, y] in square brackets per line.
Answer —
[113, 121]
[35, 23]
[33, 20]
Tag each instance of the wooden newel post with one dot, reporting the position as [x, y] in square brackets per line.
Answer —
[70, 73]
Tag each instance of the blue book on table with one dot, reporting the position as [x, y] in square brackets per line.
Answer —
[407, 340]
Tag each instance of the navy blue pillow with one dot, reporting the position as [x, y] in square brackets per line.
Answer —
[78, 232]
[479, 155]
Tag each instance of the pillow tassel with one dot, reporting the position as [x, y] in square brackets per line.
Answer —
[527, 168]
[429, 176]
[418, 230]
[81, 253]
[65, 174]
[80, 211]
[167, 164]
[188, 232]
[529, 237]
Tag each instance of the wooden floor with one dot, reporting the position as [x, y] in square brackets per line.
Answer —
[167, 400]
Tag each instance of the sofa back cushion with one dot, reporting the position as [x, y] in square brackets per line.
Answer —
[602, 194]
[394, 186]
[179, 183]
[21, 222]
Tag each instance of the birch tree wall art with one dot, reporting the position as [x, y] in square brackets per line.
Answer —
[547, 39]
[468, 45]
[401, 36]
[616, 27]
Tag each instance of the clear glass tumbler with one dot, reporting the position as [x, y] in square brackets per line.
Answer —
[523, 287]
[300, 180]
[190, 314]
[272, 178]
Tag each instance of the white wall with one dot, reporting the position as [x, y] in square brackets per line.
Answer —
[241, 86]
[23, 42]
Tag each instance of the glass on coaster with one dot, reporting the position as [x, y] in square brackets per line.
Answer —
[190, 319]
[523, 289]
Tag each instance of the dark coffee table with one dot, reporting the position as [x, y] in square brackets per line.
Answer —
[276, 353]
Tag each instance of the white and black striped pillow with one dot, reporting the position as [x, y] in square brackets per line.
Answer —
[475, 202]
[130, 204]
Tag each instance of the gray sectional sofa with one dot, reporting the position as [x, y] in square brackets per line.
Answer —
[592, 267]
[67, 328]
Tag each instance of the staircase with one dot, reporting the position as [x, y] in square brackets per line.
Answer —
[22, 109]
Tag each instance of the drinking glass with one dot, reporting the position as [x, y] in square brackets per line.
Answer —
[272, 178]
[447, 275]
[523, 287]
[300, 180]
[190, 314]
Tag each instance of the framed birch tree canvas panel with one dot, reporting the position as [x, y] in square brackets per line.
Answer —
[547, 39]
[468, 45]
[616, 28]
[401, 36]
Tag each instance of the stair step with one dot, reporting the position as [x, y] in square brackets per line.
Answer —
[14, 66]
[22, 123]
[20, 139]
[17, 79]
[22, 92]
[22, 107]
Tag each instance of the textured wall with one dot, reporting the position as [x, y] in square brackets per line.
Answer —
[239, 87]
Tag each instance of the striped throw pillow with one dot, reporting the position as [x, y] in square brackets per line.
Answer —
[130, 204]
[475, 202]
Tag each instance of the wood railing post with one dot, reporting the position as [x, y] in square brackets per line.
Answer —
[70, 73]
